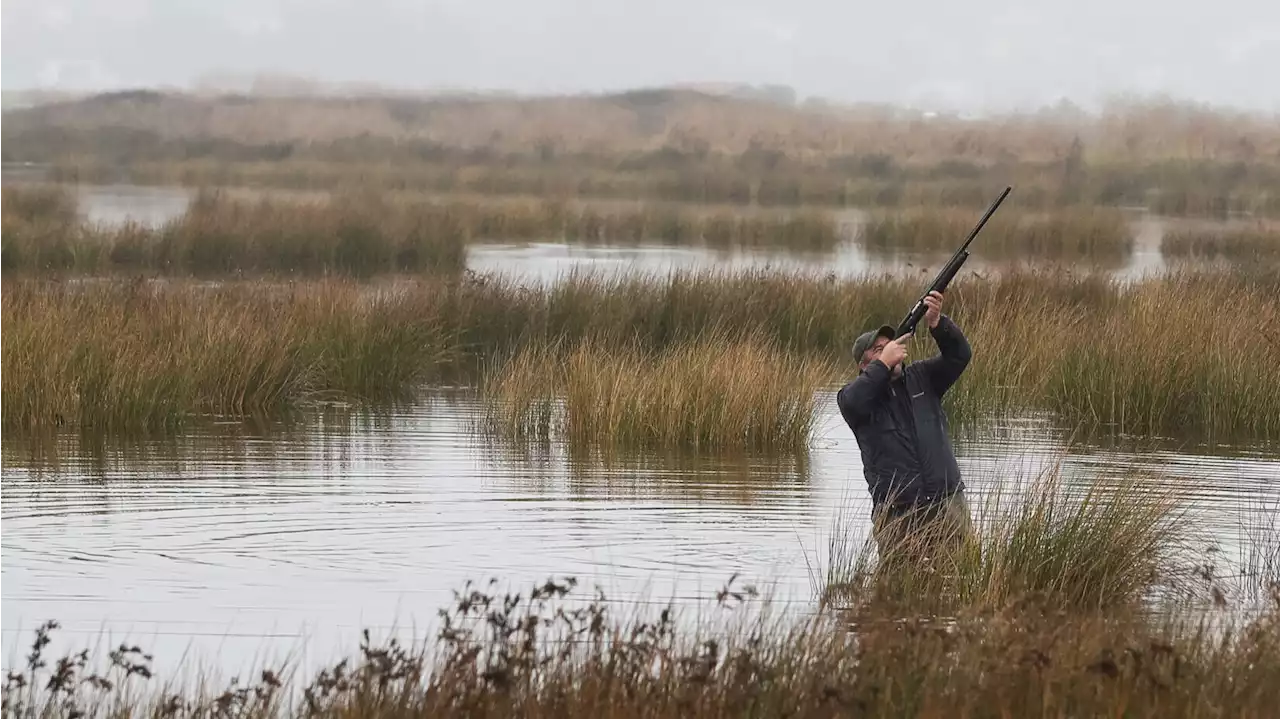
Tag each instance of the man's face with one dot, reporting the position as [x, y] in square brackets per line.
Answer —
[873, 353]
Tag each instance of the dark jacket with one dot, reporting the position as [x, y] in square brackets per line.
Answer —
[900, 426]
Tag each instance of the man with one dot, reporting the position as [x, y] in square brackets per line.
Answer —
[895, 411]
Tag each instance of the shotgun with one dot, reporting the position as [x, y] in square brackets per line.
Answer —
[939, 284]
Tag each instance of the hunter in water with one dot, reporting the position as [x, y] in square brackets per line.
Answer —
[895, 411]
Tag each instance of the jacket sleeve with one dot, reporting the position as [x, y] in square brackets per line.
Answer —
[944, 369]
[857, 399]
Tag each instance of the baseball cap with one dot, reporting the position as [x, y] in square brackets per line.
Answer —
[868, 338]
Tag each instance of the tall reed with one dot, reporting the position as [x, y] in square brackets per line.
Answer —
[1190, 352]
[713, 393]
[129, 356]
[1094, 547]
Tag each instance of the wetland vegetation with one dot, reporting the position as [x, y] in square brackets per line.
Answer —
[1188, 350]
[1080, 596]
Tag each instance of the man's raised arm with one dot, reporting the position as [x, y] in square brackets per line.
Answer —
[947, 367]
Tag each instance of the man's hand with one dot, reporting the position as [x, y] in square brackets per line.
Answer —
[934, 302]
[895, 351]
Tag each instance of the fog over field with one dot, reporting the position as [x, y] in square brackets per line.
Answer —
[974, 56]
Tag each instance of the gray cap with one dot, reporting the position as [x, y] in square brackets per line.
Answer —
[868, 338]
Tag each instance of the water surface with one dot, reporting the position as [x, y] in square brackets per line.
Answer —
[234, 543]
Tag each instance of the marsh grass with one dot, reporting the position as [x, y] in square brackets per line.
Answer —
[1064, 234]
[133, 356]
[1189, 352]
[1257, 243]
[362, 233]
[1101, 546]
[355, 234]
[719, 393]
[38, 203]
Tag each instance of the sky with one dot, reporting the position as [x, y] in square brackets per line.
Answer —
[976, 55]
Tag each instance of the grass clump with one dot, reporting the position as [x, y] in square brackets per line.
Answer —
[712, 393]
[1100, 547]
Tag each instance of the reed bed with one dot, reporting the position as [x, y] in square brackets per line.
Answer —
[38, 203]
[1189, 352]
[362, 234]
[121, 356]
[1068, 234]
[869, 181]
[717, 393]
[1257, 243]
[219, 235]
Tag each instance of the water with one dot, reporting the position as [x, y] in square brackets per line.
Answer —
[117, 204]
[229, 544]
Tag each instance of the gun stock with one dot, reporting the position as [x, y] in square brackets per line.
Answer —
[949, 270]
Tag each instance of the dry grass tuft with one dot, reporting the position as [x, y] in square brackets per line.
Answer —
[713, 393]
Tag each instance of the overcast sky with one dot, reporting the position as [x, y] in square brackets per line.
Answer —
[975, 54]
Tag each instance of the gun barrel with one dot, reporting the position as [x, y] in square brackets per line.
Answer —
[948, 272]
[983, 221]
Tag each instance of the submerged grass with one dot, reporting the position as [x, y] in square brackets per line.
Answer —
[713, 393]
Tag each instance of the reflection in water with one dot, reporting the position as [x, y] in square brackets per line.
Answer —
[230, 534]
[118, 204]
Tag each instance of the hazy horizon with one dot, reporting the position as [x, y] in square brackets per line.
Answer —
[987, 55]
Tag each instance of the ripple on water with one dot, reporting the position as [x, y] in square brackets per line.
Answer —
[318, 530]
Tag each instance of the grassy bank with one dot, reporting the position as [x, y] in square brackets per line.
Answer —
[712, 393]
[1072, 235]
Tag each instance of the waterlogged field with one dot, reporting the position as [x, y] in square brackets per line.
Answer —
[238, 431]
